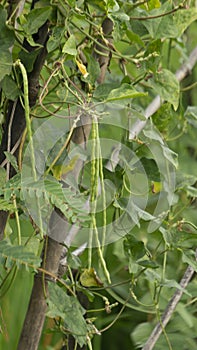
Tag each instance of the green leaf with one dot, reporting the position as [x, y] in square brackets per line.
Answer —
[6, 205]
[6, 42]
[191, 191]
[93, 69]
[191, 115]
[70, 310]
[111, 5]
[18, 254]
[157, 26]
[185, 314]
[173, 284]
[125, 91]
[2, 177]
[35, 19]
[167, 87]
[171, 26]
[133, 247]
[182, 19]
[103, 90]
[5, 63]
[134, 38]
[70, 46]
[148, 264]
[184, 180]
[151, 169]
[6, 34]
[12, 159]
[141, 333]
[55, 38]
[10, 88]
[190, 259]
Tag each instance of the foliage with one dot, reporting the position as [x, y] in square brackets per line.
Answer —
[134, 199]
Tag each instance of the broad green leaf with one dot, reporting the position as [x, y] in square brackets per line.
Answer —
[155, 25]
[10, 88]
[125, 91]
[167, 87]
[185, 314]
[173, 284]
[35, 19]
[5, 63]
[103, 90]
[190, 259]
[93, 69]
[183, 18]
[141, 333]
[6, 42]
[60, 304]
[171, 26]
[134, 38]
[70, 46]
[6, 34]
[55, 38]
[134, 247]
[28, 58]
[151, 169]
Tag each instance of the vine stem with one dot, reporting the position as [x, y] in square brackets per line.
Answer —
[169, 310]
[27, 116]
[17, 220]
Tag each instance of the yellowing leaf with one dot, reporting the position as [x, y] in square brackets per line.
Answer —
[89, 278]
[156, 186]
[62, 169]
[82, 69]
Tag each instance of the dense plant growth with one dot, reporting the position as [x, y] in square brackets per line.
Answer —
[98, 174]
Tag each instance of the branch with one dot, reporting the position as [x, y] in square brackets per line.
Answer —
[35, 316]
[169, 310]
[181, 73]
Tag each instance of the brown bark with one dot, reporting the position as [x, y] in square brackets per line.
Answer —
[35, 316]
[18, 124]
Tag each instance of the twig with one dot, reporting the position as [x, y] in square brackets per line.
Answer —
[9, 137]
[181, 73]
[169, 310]
[157, 16]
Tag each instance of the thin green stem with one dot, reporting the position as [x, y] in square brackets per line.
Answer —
[157, 16]
[65, 145]
[17, 220]
[27, 117]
